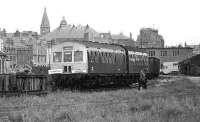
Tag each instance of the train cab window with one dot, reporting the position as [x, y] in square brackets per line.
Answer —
[57, 56]
[78, 56]
[68, 56]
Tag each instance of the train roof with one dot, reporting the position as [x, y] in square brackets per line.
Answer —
[89, 44]
[194, 60]
[154, 58]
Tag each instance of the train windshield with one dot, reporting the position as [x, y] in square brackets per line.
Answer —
[78, 56]
[57, 56]
[68, 56]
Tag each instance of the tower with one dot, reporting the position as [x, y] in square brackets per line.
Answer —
[45, 26]
[63, 22]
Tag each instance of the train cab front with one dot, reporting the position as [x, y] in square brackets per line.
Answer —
[68, 58]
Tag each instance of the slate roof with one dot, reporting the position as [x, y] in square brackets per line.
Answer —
[119, 36]
[69, 31]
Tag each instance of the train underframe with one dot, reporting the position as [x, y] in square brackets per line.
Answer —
[90, 81]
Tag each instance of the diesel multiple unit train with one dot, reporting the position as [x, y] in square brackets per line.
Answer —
[190, 66]
[77, 64]
[81, 64]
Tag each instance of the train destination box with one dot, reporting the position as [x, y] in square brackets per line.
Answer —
[55, 71]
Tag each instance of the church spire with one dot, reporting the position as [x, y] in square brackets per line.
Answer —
[45, 26]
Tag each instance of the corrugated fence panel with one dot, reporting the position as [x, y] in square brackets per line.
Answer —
[22, 83]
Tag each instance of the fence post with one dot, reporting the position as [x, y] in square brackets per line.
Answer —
[1, 83]
[7, 82]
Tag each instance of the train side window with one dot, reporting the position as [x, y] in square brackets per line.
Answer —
[113, 58]
[89, 56]
[78, 56]
[106, 58]
[110, 54]
[110, 59]
[96, 53]
[101, 56]
[140, 60]
[120, 57]
[96, 57]
[136, 59]
[92, 57]
[117, 58]
[89, 53]
[57, 56]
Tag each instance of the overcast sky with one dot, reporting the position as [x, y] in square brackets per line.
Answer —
[178, 21]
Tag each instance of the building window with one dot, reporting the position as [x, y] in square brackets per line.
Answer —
[151, 53]
[175, 52]
[163, 53]
[78, 56]
[57, 57]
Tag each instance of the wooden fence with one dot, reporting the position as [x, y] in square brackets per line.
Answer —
[22, 83]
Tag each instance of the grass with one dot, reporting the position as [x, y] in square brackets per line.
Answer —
[162, 103]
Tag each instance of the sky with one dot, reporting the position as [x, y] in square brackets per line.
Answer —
[178, 21]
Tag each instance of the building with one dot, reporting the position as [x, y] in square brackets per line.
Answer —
[169, 56]
[23, 48]
[148, 38]
[68, 31]
[123, 40]
[1, 45]
[39, 53]
[45, 25]
[196, 49]
[3, 63]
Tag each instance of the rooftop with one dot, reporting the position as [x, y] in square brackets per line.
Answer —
[69, 31]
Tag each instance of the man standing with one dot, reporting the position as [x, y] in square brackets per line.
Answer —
[142, 80]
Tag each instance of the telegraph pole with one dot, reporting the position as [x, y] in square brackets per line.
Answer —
[50, 48]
